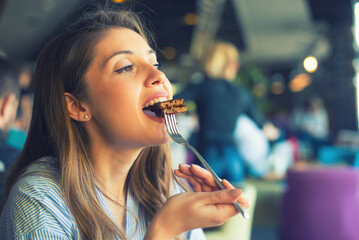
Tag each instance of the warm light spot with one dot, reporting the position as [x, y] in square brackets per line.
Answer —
[169, 53]
[300, 82]
[310, 64]
[190, 19]
[118, 1]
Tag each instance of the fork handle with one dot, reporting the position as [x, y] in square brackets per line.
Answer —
[217, 179]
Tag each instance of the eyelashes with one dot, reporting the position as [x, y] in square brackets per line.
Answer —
[129, 68]
[158, 66]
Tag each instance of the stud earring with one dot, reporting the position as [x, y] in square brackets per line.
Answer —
[86, 116]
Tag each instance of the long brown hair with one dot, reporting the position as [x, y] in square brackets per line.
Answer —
[61, 68]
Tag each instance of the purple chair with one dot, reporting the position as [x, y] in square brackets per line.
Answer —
[321, 204]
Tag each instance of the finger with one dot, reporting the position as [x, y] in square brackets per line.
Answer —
[244, 202]
[185, 168]
[204, 187]
[199, 180]
[227, 184]
[180, 174]
[204, 174]
[197, 187]
[204, 178]
[241, 200]
[200, 174]
[224, 196]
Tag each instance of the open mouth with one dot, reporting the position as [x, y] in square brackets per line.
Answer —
[149, 108]
[157, 109]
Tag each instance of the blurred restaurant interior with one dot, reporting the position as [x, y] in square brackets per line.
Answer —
[292, 52]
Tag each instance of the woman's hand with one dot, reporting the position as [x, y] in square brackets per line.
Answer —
[186, 211]
[208, 206]
[202, 181]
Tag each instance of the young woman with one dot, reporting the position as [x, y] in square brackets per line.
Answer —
[95, 165]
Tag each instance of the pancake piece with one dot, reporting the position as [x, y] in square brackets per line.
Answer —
[170, 107]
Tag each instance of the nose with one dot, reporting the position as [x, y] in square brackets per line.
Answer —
[155, 77]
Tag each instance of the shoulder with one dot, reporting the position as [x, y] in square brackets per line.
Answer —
[36, 204]
[39, 181]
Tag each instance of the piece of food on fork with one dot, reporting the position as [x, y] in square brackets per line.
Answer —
[170, 107]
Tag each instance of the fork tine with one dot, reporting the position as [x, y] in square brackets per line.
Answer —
[174, 124]
[171, 125]
[168, 125]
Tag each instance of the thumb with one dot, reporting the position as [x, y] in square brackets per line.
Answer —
[224, 196]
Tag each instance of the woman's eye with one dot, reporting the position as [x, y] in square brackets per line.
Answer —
[157, 65]
[125, 69]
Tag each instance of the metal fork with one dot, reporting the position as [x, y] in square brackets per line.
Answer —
[172, 129]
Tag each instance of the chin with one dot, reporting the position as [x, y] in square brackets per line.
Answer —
[154, 137]
[164, 141]
[161, 141]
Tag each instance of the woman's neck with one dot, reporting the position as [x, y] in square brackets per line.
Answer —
[111, 168]
[111, 161]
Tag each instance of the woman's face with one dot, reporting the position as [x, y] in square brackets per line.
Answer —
[122, 78]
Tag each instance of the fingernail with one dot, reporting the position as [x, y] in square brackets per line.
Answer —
[235, 193]
[183, 165]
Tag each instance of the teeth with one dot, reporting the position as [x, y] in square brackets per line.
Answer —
[156, 100]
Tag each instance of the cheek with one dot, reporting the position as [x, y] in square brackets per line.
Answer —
[113, 96]
[169, 88]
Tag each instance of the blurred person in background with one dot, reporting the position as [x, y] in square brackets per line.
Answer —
[25, 104]
[18, 131]
[9, 99]
[95, 165]
[219, 104]
[310, 123]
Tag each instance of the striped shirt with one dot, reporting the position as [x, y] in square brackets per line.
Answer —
[35, 209]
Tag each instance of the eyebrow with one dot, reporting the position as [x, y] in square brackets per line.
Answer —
[127, 52]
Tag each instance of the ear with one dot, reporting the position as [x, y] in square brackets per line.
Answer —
[78, 111]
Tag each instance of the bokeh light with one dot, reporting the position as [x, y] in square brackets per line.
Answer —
[299, 82]
[190, 19]
[169, 52]
[310, 64]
